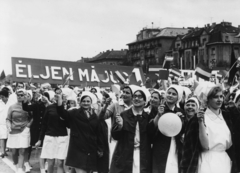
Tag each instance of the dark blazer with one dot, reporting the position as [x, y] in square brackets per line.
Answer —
[103, 162]
[85, 139]
[122, 160]
[161, 144]
[38, 110]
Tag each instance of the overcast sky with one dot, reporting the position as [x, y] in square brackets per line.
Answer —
[71, 29]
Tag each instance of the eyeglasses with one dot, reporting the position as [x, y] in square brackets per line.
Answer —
[20, 95]
[137, 96]
[125, 92]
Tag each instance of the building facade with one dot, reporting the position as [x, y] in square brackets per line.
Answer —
[209, 46]
[151, 45]
[110, 57]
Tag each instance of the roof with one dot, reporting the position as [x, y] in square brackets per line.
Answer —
[194, 33]
[223, 27]
[172, 32]
[109, 55]
[164, 32]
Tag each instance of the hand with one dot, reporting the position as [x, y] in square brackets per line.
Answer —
[119, 120]
[9, 128]
[161, 109]
[38, 144]
[108, 101]
[200, 115]
[100, 153]
[180, 114]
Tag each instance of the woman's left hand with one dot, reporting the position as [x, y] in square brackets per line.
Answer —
[180, 114]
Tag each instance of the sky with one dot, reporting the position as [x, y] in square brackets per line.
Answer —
[71, 29]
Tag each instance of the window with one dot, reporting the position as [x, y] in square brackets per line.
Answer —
[213, 51]
[204, 41]
[226, 38]
[236, 52]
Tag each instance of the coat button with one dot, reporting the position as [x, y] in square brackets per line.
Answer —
[89, 154]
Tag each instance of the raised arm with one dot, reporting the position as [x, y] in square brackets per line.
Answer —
[64, 114]
[117, 127]
[105, 113]
[203, 135]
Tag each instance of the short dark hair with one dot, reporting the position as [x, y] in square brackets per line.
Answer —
[6, 89]
[128, 87]
[46, 94]
[212, 93]
[4, 93]
[159, 95]
[83, 97]
[20, 83]
[57, 89]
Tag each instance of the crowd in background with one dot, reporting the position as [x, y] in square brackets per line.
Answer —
[75, 126]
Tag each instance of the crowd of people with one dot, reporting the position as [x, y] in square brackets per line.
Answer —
[70, 126]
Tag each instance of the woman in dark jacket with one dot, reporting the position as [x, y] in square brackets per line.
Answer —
[54, 137]
[133, 150]
[85, 145]
[161, 143]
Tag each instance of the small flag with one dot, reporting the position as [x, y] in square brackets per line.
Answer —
[222, 73]
[233, 69]
[154, 68]
[30, 80]
[119, 77]
[130, 79]
[3, 76]
[66, 79]
[175, 72]
[151, 79]
[163, 74]
[203, 72]
[188, 76]
[168, 58]
[167, 62]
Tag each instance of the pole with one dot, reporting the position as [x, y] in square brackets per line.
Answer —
[181, 63]
[229, 71]
[194, 61]
[164, 62]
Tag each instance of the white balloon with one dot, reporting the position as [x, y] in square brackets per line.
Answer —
[170, 124]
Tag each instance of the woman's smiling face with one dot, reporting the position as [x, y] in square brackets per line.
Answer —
[172, 96]
[86, 103]
[155, 99]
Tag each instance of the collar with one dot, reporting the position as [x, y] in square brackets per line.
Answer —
[173, 108]
[135, 113]
[212, 115]
[148, 109]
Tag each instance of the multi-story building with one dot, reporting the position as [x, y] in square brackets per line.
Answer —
[210, 46]
[110, 57]
[151, 45]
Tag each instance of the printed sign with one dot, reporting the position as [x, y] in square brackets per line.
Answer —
[84, 74]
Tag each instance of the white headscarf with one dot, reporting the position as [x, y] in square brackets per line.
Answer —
[195, 100]
[187, 92]
[179, 90]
